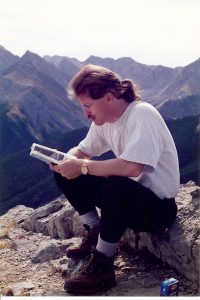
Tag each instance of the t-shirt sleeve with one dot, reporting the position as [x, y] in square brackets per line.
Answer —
[142, 143]
[94, 144]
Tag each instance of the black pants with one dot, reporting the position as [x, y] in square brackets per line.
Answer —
[123, 203]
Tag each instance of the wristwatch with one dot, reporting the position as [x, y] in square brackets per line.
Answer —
[84, 167]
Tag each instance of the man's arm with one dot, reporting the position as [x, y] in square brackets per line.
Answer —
[114, 167]
[71, 168]
[77, 153]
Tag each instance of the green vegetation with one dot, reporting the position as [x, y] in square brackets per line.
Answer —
[26, 180]
[186, 134]
[13, 138]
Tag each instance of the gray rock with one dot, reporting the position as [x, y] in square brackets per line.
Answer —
[54, 219]
[18, 214]
[149, 281]
[52, 249]
[18, 288]
[182, 250]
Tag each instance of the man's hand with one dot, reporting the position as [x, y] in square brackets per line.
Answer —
[69, 168]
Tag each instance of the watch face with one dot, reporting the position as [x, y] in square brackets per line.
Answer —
[84, 169]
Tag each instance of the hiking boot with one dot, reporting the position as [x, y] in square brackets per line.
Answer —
[96, 274]
[85, 248]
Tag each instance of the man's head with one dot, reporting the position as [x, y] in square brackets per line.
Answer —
[101, 92]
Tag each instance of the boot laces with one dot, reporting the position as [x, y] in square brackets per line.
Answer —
[90, 265]
[89, 236]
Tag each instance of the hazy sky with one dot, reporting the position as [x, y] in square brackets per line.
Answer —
[165, 32]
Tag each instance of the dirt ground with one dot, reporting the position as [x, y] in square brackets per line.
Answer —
[138, 274]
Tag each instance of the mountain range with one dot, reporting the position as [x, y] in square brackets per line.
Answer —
[35, 107]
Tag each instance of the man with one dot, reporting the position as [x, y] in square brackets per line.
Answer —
[135, 189]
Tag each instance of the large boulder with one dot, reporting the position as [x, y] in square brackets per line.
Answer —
[181, 250]
[54, 219]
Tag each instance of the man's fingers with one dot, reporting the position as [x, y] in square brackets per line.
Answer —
[54, 167]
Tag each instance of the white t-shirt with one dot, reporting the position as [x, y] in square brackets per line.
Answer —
[139, 135]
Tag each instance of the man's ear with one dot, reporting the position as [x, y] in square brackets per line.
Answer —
[109, 97]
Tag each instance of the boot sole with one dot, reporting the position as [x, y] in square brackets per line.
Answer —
[78, 257]
[100, 288]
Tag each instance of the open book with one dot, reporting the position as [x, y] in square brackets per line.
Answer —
[48, 155]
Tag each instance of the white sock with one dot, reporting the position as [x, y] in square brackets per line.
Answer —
[91, 218]
[106, 248]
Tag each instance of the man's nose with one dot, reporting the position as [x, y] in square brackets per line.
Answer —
[86, 113]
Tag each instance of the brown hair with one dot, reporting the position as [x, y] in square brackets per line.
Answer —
[96, 81]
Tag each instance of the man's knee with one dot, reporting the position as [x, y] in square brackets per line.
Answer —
[58, 177]
[62, 182]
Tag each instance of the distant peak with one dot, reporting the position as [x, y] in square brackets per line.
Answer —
[127, 59]
[93, 59]
[5, 52]
[28, 55]
[28, 52]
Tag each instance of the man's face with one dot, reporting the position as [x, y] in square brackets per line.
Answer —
[97, 111]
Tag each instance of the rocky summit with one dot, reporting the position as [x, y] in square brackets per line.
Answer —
[33, 244]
